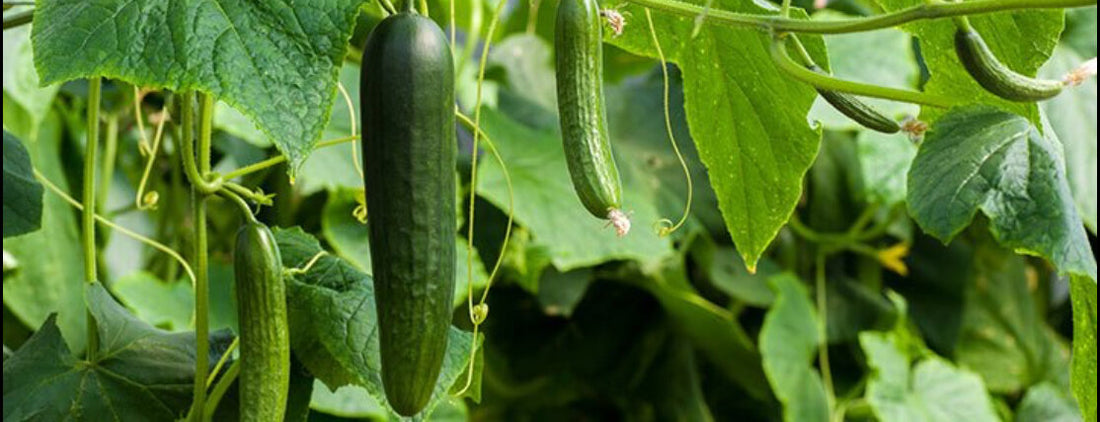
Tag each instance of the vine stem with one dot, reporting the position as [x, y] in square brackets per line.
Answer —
[88, 214]
[18, 19]
[110, 155]
[202, 287]
[667, 226]
[821, 81]
[823, 330]
[194, 171]
[771, 23]
[220, 388]
[474, 316]
[255, 167]
[130, 233]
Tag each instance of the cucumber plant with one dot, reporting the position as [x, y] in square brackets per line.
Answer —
[409, 149]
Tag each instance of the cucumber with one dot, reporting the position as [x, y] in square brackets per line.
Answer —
[409, 150]
[579, 70]
[261, 312]
[994, 76]
[857, 110]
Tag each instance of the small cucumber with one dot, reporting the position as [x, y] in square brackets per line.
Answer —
[261, 312]
[857, 110]
[994, 76]
[579, 67]
[409, 150]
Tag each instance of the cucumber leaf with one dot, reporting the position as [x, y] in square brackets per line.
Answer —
[276, 62]
[141, 373]
[333, 322]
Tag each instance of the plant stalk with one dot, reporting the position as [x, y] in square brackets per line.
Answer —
[774, 23]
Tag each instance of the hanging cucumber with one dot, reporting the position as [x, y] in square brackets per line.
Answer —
[993, 75]
[857, 110]
[261, 311]
[409, 148]
[579, 66]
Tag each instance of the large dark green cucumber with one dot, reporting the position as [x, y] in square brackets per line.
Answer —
[579, 63]
[261, 313]
[409, 149]
[994, 76]
[857, 110]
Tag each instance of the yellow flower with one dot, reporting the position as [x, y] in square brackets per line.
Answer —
[893, 258]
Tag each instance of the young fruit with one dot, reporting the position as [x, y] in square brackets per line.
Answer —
[261, 312]
[579, 63]
[994, 76]
[857, 110]
[409, 148]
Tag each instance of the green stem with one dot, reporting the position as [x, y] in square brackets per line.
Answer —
[206, 129]
[773, 23]
[246, 212]
[194, 174]
[202, 285]
[829, 83]
[18, 19]
[88, 214]
[255, 167]
[110, 154]
[823, 330]
[127, 232]
[219, 390]
[863, 220]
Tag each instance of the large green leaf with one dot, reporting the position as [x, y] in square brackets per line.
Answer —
[333, 322]
[1003, 335]
[884, 161]
[25, 103]
[1047, 403]
[546, 204]
[1072, 116]
[22, 192]
[164, 305]
[929, 391]
[788, 346]
[50, 259]
[1083, 377]
[747, 119]
[982, 159]
[140, 373]
[723, 268]
[715, 331]
[277, 62]
[1022, 40]
[349, 401]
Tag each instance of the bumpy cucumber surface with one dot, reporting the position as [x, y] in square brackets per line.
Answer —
[261, 311]
[579, 63]
[994, 76]
[409, 148]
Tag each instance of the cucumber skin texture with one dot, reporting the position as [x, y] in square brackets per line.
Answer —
[409, 150]
[265, 338]
[857, 110]
[997, 78]
[579, 70]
